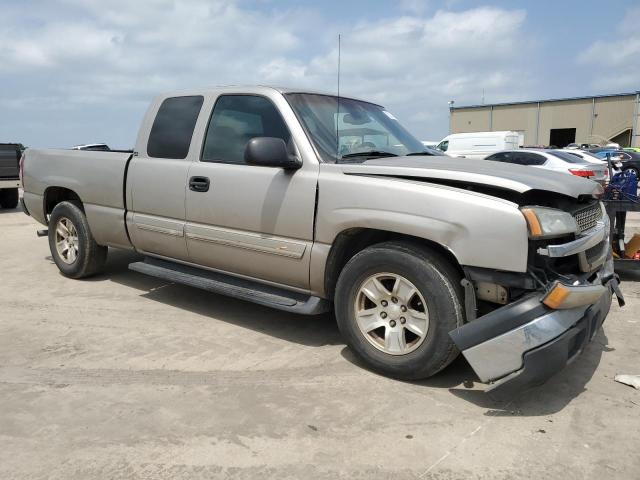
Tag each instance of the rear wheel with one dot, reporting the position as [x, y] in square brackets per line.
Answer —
[395, 305]
[72, 246]
[9, 198]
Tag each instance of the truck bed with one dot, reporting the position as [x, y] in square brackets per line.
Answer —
[96, 177]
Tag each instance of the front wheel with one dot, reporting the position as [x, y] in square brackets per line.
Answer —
[395, 305]
[72, 246]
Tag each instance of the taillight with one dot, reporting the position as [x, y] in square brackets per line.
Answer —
[21, 169]
[582, 173]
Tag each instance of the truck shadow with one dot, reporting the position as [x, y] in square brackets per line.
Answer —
[461, 381]
[4, 211]
[552, 396]
[315, 331]
[322, 330]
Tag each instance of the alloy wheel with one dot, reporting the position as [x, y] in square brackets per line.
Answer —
[391, 313]
[67, 244]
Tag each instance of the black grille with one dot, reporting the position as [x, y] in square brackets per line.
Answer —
[594, 253]
[587, 218]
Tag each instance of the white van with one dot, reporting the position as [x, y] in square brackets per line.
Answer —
[478, 144]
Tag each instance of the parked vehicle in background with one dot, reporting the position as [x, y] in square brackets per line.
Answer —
[555, 160]
[95, 147]
[264, 194]
[632, 149]
[430, 143]
[10, 154]
[628, 160]
[478, 144]
[593, 158]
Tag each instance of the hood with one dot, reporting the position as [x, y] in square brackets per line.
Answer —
[465, 171]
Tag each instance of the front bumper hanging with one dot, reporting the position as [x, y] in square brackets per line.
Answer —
[523, 344]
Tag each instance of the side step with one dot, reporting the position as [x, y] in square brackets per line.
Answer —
[233, 286]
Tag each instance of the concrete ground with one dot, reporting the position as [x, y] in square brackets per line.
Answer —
[126, 376]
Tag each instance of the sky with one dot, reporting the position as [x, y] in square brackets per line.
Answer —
[84, 71]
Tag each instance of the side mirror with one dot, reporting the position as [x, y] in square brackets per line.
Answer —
[270, 152]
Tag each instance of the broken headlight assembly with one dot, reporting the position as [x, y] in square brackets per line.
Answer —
[544, 222]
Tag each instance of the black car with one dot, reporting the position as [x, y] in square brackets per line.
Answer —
[629, 160]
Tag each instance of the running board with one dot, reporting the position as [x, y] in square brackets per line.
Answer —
[231, 286]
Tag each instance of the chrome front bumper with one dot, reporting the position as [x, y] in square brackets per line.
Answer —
[591, 246]
[498, 344]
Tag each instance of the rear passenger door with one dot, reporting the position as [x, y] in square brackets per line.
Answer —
[250, 220]
[157, 179]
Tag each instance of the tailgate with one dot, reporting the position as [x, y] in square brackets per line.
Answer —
[9, 159]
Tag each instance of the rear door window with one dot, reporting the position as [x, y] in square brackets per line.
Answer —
[532, 159]
[173, 126]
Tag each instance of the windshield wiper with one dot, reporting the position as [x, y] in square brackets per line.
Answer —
[369, 154]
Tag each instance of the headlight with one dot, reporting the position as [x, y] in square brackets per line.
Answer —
[548, 222]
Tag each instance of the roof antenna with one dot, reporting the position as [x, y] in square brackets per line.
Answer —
[338, 108]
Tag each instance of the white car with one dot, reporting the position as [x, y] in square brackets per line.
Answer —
[556, 160]
[592, 158]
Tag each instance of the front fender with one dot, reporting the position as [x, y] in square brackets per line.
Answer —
[479, 230]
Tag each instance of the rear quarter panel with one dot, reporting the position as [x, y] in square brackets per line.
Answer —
[96, 177]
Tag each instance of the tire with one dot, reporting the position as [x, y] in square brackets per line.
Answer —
[89, 257]
[637, 172]
[438, 286]
[9, 198]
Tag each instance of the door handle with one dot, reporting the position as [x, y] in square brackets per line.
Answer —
[199, 184]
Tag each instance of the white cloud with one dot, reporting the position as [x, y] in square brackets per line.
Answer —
[413, 63]
[93, 56]
[617, 57]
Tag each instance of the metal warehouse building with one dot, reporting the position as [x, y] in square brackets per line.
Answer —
[559, 121]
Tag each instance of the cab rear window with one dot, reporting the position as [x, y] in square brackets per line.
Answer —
[173, 126]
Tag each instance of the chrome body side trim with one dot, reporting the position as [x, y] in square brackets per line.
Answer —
[247, 240]
[174, 228]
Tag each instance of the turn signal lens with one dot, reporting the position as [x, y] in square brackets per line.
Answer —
[532, 221]
[556, 297]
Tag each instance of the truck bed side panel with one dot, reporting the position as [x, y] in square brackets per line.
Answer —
[96, 177]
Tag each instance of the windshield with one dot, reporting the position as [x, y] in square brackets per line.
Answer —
[353, 129]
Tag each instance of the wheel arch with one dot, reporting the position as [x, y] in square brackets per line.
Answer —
[353, 240]
[54, 195]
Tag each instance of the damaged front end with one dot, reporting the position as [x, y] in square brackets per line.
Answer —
[530, 325]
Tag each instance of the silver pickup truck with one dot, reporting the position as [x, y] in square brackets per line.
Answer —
[305, 202]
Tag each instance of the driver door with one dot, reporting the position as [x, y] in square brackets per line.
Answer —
[249, 220]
